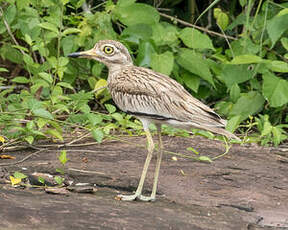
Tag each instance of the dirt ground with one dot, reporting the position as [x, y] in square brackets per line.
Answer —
[246, 189]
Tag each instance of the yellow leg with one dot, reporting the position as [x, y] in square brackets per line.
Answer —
[138, 192]
[158, 163]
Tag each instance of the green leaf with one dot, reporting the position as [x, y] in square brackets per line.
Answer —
[55, 133]
[164, 34]
[276, 27]
[222, 18]
[234, 92]
[49, 26]
[278, 66]
[30, 125]
[3, 70]
[94, 119]
[65, 85]
[283, 12]
[117, 116]
[60, 170]
[162, 63]
[10, 53]
[63, 157]
[145, 51]
[10, 13]
[246, 59]
[267, 128]
[32, 104]
[235, 74]
[98, 135]
[99, 87]
[63, 61]
[248, 104]
[193, 38]
[67, 44]
[22, 80]
[125, 3]
[41, 180]
[71, 31]
[110, 108]
[242, 2]
[275, 89]
[47, 77]
[21, 48]
[28, 59]
[284, 42]
[233, 123]
[29, 139]
[191, 81]
[193, 150]
[59, 180]
[277, 135]
[40, 112]
[205, 159]
[41, 122]
[137, 32]
[28, 39]
[137, 13]
[194, 63]
[19, 175]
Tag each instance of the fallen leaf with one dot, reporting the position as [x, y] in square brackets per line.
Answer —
[182, 172]
[2, 139]
[117, 198]
[174, 158]
[6, 156]
[14, 180]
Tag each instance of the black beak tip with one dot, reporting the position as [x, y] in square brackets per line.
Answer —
[74, 55]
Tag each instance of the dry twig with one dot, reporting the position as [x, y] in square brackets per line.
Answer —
[24, 159]
[196, 27]
[9, 30]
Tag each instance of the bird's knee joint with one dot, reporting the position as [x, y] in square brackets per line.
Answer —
[150, 148]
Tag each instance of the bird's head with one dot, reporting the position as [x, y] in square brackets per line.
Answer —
[109, 52]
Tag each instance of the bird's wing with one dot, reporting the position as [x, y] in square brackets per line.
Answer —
[141, 91]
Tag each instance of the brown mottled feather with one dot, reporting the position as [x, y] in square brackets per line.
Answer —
[140, 90]
[154, 96]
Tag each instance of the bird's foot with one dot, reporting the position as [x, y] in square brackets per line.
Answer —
[135, 197]
[126, 197]
[146, 198]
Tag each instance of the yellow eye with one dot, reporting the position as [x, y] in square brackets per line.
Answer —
[108, 49]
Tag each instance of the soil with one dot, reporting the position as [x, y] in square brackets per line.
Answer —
[245, 189]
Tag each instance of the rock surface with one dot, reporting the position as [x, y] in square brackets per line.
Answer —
[245, 189]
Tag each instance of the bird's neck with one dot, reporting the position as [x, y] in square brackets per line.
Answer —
[114, 68]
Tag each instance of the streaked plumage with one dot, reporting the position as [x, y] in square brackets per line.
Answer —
[153, 98]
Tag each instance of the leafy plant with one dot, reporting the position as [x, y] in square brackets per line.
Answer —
[17, 178]
[63, 159]
[43, 94]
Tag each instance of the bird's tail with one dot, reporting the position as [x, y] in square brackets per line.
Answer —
[222, 131]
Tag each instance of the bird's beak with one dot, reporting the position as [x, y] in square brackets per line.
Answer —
[83, 54]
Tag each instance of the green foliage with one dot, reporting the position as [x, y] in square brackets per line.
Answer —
[59, 180]
[269, 132]
[63, 160]
[43, 94]
[19, 175]
[63, 157]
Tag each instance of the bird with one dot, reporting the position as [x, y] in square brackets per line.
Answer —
[151, 97]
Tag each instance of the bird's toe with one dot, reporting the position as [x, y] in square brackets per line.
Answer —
[126, 197]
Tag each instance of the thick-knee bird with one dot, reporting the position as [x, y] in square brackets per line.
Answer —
[153, 98]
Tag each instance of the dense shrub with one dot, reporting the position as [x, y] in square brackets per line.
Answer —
[242, 69]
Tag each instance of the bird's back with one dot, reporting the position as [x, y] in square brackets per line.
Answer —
[145, 93]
